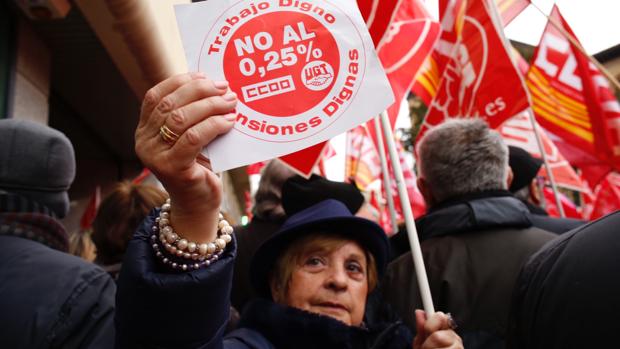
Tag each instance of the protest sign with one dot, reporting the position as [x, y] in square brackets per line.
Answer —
[304, 71]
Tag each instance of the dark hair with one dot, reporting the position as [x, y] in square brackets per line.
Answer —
[119, 215]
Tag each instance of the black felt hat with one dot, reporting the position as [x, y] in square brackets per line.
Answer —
[299, 193]
[329, 216]
[524, 167]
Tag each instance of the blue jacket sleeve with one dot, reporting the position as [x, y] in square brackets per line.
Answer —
[159, 308]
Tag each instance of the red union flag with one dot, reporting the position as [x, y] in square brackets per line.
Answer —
[480, 79]
[519, 132]
[427, 80]
[607, 196]
[572, 100]
[402, 52]
[378, 16]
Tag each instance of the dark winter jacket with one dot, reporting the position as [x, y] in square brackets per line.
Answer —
[48, 298]
[541, 219]
[567, 294]
[399, 243]
[473, 249]
[162, 309]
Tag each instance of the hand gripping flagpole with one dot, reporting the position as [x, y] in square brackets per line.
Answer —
[416, 251]
[556, 194]
[387, 183]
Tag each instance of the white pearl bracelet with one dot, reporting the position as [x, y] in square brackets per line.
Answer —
[181, 250]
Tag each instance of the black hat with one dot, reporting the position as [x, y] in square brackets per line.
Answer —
[299, 193]
[524, 166]
[329, 216]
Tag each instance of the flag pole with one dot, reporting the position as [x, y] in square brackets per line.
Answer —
[387, 183]
[414, 242]
[554, 187]
[577, 45]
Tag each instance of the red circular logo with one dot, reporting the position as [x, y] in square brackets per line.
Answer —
[281, 58]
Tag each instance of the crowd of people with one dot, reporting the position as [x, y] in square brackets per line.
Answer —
[312, 269]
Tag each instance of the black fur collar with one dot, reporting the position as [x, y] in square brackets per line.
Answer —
[287, 327]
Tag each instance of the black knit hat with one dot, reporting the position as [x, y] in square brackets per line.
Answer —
[524, 167]
[299, 193]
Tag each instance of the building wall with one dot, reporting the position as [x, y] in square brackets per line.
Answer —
[31, 81]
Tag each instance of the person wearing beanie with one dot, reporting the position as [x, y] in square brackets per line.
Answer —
[49, 298]
[525, 168]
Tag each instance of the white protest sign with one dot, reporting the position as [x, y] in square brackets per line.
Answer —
[304, 72]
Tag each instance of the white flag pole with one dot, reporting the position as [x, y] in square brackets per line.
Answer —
[556, 194]
[387, 183]
[414, 242]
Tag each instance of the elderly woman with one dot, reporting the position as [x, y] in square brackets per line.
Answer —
[314, 274]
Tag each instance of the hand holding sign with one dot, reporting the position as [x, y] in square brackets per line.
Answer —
[304, 72]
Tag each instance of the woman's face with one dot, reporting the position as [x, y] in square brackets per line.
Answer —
[332, 283]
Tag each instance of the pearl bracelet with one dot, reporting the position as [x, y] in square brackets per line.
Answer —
[180, 250]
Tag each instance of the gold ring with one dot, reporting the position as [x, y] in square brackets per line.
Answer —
[168, 135]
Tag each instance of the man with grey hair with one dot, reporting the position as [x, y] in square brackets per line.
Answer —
[475, 236]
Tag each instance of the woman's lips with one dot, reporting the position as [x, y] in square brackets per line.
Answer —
[332, 305]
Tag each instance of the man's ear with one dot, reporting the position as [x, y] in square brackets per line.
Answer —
[425, 191]
[509, 177]
[535, 194]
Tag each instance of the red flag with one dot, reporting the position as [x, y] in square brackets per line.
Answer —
[607, 196]
[418, 206]
[572, 100]
[362, 160]
[570, 210]
[519, 132]
[409, 40]
[378, 16]
[428, 78]
[510, 9]
[88, 217]
[384, 215]
[303, 161]
[255, 169]
[480, 79]
[248, 204]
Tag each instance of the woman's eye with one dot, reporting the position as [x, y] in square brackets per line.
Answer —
[355, 267]
[314, 261]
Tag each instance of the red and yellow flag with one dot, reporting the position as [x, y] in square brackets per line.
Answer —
[427, 80]
[519, 132]
[571, 99]
[480, 78]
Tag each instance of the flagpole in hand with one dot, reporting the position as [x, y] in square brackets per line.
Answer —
[414, 242]
[386, 175]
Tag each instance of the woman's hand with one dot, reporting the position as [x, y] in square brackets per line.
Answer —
[197, 110]
[435, 332]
